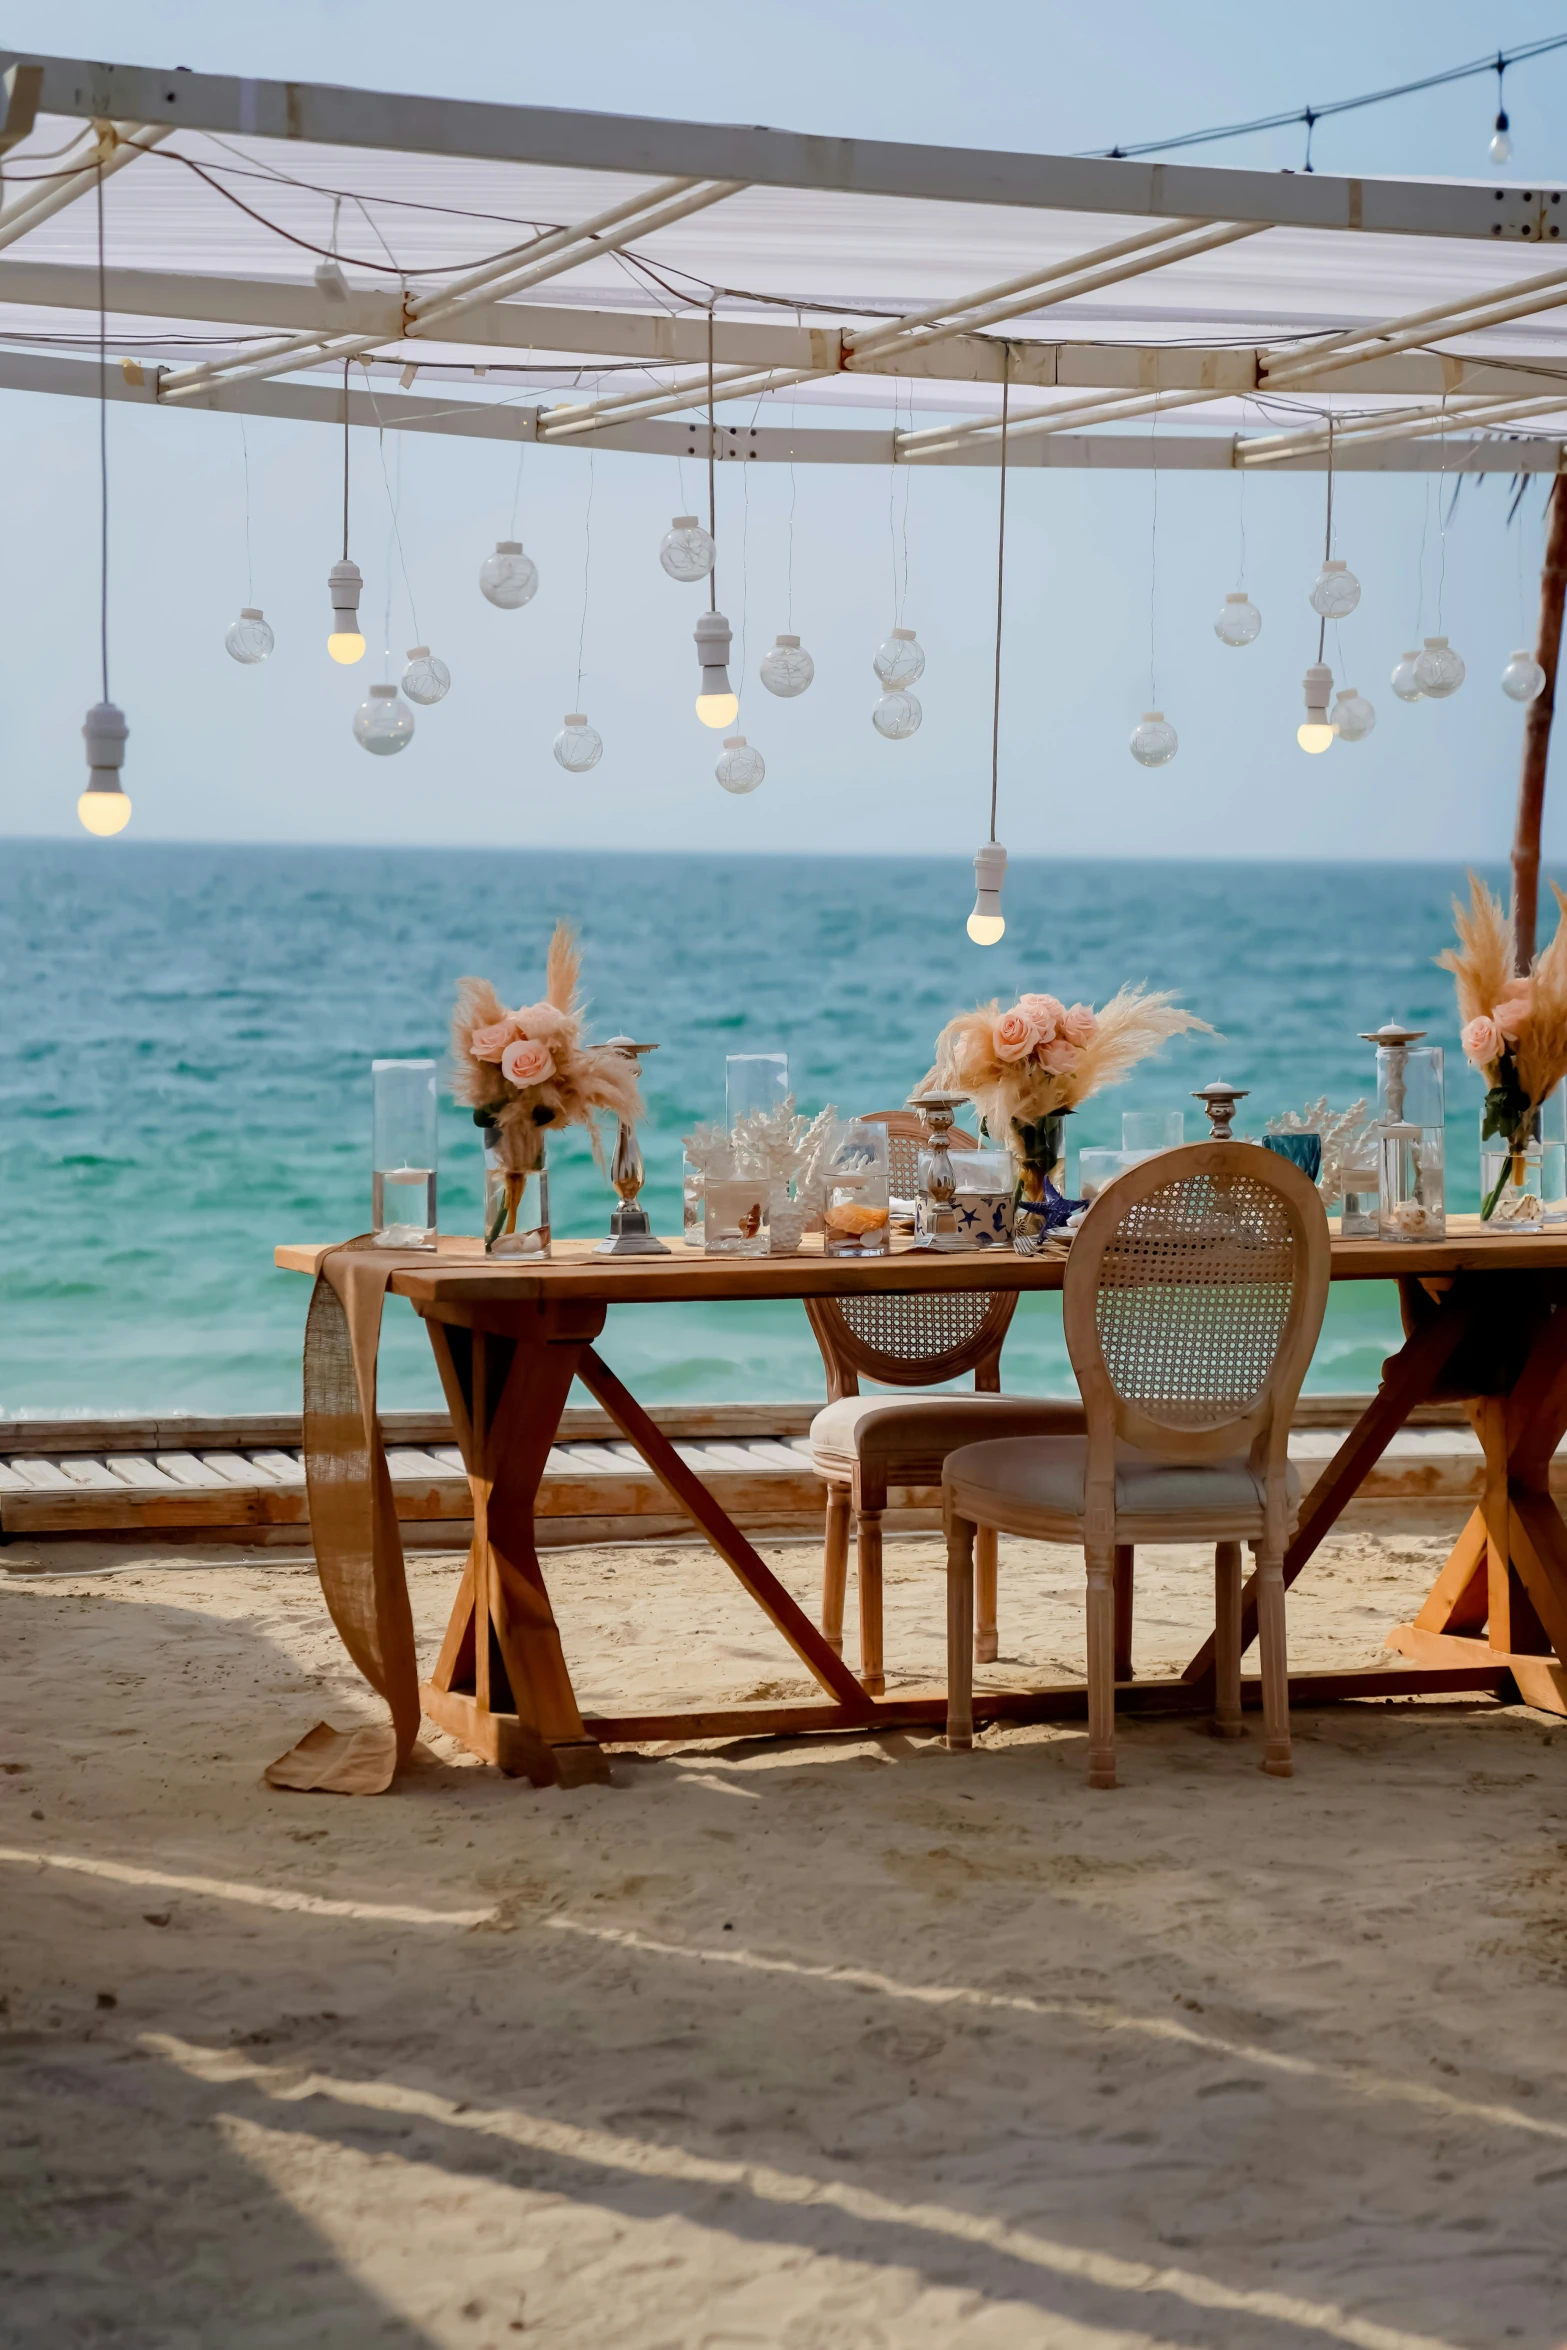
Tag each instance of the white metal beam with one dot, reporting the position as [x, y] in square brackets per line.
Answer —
[107, 148]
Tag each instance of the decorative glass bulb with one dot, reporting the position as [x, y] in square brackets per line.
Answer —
[426, 678]
[897, 716]
[900, 661]
[788, 669]
[508, 578]
[1403, 678]
[578, 746]
[1316, 731]
[248, 639]
[1154, 741]
[1335, 591]
[1523, 680]
[384, 723]
[987, 924]
[740, 768]
[686, 551]
[1353, 715]
[1501, 147]
[1240, 623]
[1438, 670]
[103, 807]
[344, 582]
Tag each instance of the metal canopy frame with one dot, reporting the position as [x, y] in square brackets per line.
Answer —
[1451, 405]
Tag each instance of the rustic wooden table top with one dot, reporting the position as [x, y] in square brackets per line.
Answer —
[459, 1272]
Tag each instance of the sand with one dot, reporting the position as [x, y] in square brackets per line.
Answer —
[830, 2045]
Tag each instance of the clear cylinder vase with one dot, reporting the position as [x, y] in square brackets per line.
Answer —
[1039, 1155]
[1512, 1187]
[1411, 1113]
[516, 1201]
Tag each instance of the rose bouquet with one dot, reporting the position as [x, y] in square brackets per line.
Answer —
[1514, 1028]
[523, 1072]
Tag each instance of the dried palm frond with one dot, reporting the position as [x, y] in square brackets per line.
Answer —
[1089, 1051]
[1482, 961]
[583, 1083]
[1541, 1048]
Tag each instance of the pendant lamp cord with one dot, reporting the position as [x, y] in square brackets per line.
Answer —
[1001, 572]
[345, 460]
[1327, 543]
[103, 449]
[712, 502]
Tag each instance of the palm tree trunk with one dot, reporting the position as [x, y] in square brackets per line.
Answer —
[1537, 733]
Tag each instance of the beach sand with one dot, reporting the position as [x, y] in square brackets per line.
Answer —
[831, 2045]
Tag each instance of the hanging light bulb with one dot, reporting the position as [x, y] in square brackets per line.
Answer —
[897, 715]
[248, 639]
[508, 578]
[788, 669]
[1315, 733]
[345, 643]
[1154, 740]
[103, 806]
[740, 768]
[686, 551]
[426, 678]
[1353, 716]
[1240, 623]
[1438, 670]
[1403, 678]
[716, 704]
[1501, 148]
[577, 746]
[987, 924]
[1523, 680]
[900, 661]
[1335, 591]
[384, 723]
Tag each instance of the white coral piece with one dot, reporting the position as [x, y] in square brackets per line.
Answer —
[1343, 1133]
[782, 1145]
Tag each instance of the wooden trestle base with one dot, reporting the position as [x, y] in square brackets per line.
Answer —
[1495, 1621]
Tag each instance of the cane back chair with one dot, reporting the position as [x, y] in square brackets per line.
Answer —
[862, 1445]
[1193, 1298]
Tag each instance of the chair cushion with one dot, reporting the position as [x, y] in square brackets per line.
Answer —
[907, 1438]
[1036, 1485]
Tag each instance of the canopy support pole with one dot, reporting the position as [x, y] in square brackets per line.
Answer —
[1537, 731]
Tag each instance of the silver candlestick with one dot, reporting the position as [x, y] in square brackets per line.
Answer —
[1394, 1039]
[630, 1232]
[938, 1220]
[1220, 1100]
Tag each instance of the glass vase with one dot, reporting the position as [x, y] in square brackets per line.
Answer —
[857, 1218]
[1360, 1193]
[402, 1154]
[1039, 1156]
[786, 1221]
[1512, 1187]
[734, 1213]
[1411, 1113]
[516, 1202]
[691, 1183]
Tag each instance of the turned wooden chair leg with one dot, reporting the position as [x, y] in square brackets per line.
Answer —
[1123, 1611]
[1101, 1668]
[986, 1544]
[868, 1567]
[1275, 1665]
[960, 1633]
[835, 1566]
[1227, 1640]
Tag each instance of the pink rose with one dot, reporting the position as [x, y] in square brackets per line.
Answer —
[1514, 1007]
[488, 1043]
[1078, 1023]
[1013, 1037]
[526, 1062]
[1481, 1040]
[1060, 1056]
[1045, 1011]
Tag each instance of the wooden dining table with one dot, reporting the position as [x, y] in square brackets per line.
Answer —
[1483, 1323]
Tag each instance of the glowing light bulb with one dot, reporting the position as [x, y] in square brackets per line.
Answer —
[897, 715]
[788, 669]
[717, 704]
[103, 807]
[1316, 731]
[1240, 623]
[900, 661]
[1501, 147]
[578, 746]
[1154, 741]
[1353, 716]
[248, 639]
[1403, 679]
[1438, 669]
[426, 678]
[686, 551]
[384, 724]
[987, 924]
[508, 578]
[345, 644]
[1335, 591]
[1523, 680]
[740, 768]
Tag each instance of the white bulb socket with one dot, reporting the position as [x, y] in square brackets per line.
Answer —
[987, 923]
[716, 703]
[1318, 730]
[344, 582]
[685, 522]
[575, 718]
[104, 731]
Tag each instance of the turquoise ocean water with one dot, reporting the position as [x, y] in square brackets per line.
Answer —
[186, 1034]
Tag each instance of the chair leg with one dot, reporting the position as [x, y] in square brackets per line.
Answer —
[1227, 1721]
[1101, 1668]
[835, 1566]
[1123, 1611]
[960, 1633]
[986, 1544]
[1275, 1664]
[867, 1526]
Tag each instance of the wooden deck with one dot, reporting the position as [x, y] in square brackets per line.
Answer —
[243, 1480]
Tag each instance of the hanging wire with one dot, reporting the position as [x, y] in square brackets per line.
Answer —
[1001, 575]
[1442, 522]
[345, 460]
[892, 509]
[587, 567]
[1153, 562]
[516, 487]
[793, 492]
[1327, 539]
[1420, 583]
[250, 569]
[712, 492]
[103, 447]
[1242, 470]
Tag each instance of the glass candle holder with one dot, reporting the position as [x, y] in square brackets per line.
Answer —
[516, 1206]
[692, 1180]
[1096, 1168]
[754, 1081]
[1512, 1186]
[1152, 1130]
[1411, 1091]
[402, 1154]
[734, 1213]
[1552, 1116]
[857, 1220]
[1360, 1192]
[1406, 1209]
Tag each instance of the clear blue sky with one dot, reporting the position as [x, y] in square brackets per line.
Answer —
[219, 753]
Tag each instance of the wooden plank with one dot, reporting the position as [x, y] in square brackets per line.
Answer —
[141, 1474]
[264, 1431]
[284, 1468]
[12, 1479]
[605, 1460]
[1460, 1596]
[1541, 1680]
